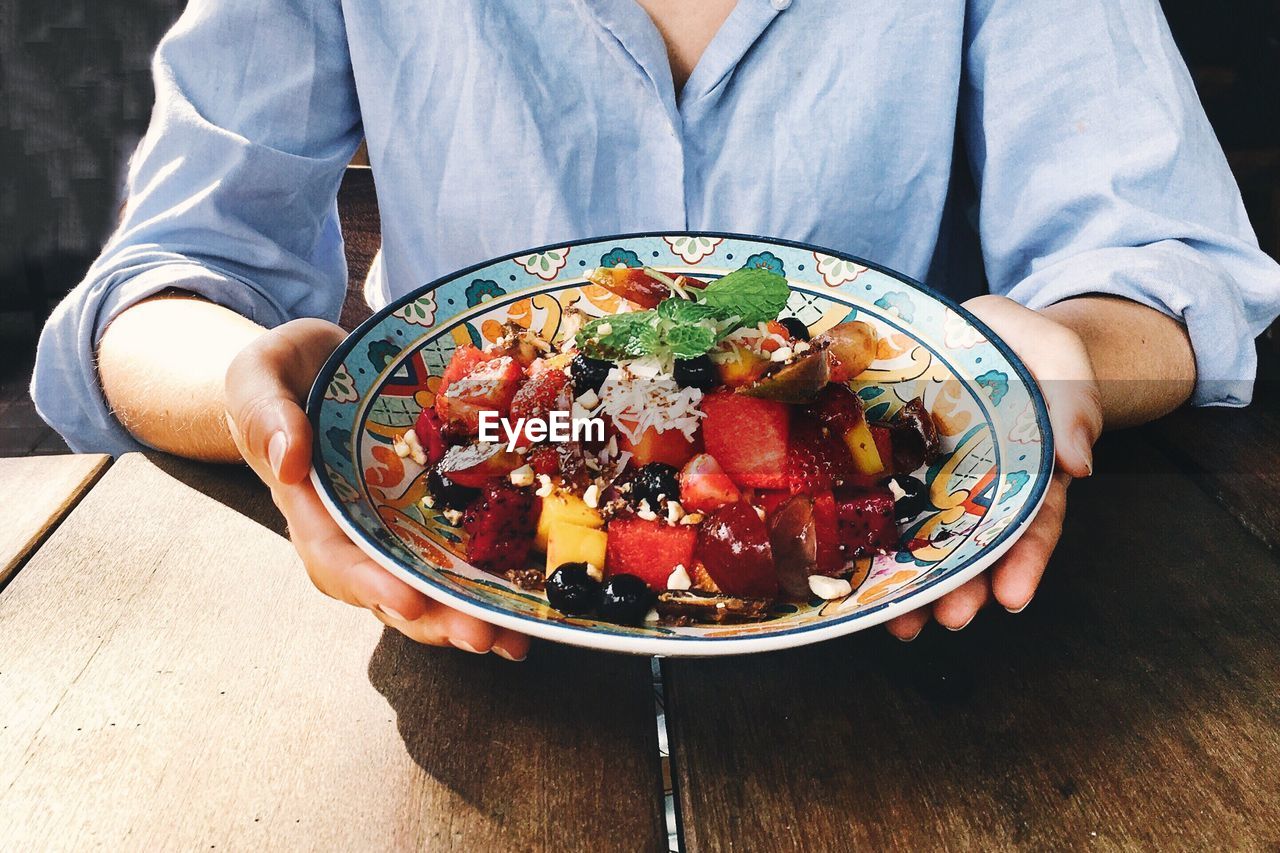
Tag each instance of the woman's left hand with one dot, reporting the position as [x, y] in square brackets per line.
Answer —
[1058, 358]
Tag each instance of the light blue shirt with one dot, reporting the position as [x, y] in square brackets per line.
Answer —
[1060, 150]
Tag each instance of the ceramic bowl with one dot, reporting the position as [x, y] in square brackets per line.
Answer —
[984, 490]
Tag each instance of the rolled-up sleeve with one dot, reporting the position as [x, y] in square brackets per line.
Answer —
[1098, 173]
[232, 193]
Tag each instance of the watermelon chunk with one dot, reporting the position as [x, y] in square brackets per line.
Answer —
[650, 550]
[826, 523]
[748, 437]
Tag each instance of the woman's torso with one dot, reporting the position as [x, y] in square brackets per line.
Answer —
[498, 126]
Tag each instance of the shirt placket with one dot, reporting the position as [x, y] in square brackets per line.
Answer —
[628, 27]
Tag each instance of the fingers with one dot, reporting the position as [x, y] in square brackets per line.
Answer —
[1016, 576]
[341, 570]
[955, 610]
[909, 625]
[265, 388]
[1059, 360]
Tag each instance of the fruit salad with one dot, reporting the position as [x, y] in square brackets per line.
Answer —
[731, 466]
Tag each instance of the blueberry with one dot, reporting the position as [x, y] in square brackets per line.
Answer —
[572, 590]
[915, 498]
[588, 374]
[697, 373]
[796, 328]
[626, 600]
[656, 483]
[448, 494]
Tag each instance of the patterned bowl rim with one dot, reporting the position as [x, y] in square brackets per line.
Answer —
[677, 646]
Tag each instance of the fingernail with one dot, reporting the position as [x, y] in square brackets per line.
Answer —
[275, 452]
[1085, 448]
[910, 639]
[961, 627]
[390, 614]
[1025, 605]
[465, 646]
[506, 655]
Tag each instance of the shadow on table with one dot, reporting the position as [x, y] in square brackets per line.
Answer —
[564, 708]
[1145, 661]
[234, 486]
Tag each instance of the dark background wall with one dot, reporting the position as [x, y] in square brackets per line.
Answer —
[75, 95]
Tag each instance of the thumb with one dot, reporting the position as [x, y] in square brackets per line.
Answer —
[1059, 360]
[264, 390]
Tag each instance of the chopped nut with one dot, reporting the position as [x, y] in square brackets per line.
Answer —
[675, 512]
[523, 476]
[595, 572]
[645, 512]
[692, 518]
[453, 516]
[759, 511]
[401, 449]
[781, 354]
[589, 400]
[604, 329]
[415, 448]
[545, 487]
[801, 347]
[652, 615]
[898, 493]
[591, 497]
[679, 579]
[429, 502]
[829, 589]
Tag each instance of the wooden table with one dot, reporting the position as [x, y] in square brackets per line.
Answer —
[168, 679]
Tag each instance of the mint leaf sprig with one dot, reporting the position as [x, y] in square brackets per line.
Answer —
[683, 328]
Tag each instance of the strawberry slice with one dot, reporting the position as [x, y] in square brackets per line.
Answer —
[500, 525]
[704, 486]
[488, 386]
[540, 395]
[544, 459]
[816, 461]
[733, 545]
[650, 550]
[430, 434]
[748, 437]
[460, 364]
[865, 521]
[478, 465]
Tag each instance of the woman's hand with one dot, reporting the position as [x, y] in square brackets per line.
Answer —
[266, 386]
[1060, 361]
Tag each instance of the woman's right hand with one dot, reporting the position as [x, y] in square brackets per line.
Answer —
[266, 386]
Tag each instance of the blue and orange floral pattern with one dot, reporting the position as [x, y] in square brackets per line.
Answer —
[619, 256]
[997, 450]
[765, 261]
[482, 290]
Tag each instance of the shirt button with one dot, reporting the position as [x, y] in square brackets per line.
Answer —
[780, 5]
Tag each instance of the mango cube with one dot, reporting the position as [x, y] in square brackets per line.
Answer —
[564, 508]
[573, 543]
[862, 445]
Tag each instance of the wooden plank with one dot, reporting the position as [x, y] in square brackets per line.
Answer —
[35, 494]
[1233, 454]
[171, 680]
[1135, 704]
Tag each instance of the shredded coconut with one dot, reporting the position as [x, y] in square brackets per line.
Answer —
[642, 394]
